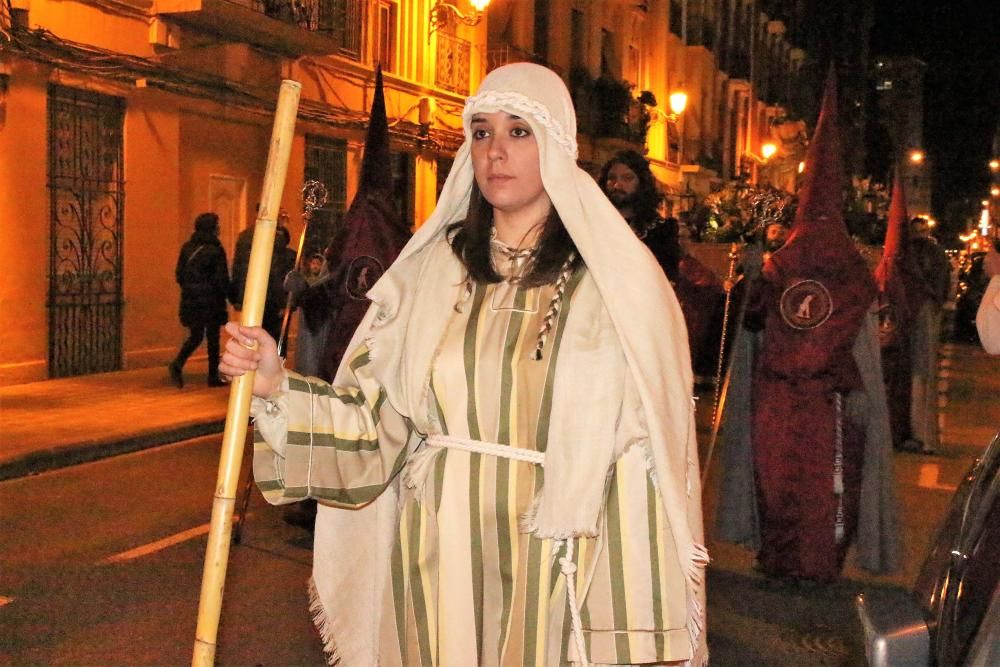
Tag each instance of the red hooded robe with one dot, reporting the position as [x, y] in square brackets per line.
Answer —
[371, 237]
[815, 292]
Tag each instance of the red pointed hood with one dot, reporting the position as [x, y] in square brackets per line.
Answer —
[821, 286]
[819, 235]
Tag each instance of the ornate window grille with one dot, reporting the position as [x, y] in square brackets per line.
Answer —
[86, 223]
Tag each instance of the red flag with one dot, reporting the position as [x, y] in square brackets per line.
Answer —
[369, 240]
[898, 303]
[896, 270]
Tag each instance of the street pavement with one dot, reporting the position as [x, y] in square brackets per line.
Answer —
[56, 423]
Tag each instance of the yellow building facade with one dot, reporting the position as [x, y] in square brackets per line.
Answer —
[733, 59]
[122, 120]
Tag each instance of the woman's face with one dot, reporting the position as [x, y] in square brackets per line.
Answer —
[505, 163]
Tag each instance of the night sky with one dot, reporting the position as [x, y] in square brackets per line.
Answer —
[960, 42]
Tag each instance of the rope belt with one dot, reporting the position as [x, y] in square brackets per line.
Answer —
[491, 448]
[566, 564]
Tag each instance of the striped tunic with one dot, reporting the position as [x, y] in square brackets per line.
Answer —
[467, 586]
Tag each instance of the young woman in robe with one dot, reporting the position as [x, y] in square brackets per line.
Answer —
[506, 462]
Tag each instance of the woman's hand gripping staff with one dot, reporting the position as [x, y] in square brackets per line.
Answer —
[253, 349]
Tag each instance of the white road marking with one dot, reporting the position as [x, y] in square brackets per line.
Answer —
[158, 545]
[928, 479]
[4, 600]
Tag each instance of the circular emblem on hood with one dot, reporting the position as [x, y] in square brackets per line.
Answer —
[362, 275]
[806, 304]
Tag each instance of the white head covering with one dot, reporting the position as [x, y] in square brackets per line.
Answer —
[635, 293]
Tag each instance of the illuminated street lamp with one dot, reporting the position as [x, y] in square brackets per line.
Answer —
[678, 102]
[995, 191]
[443, 11]
[916, 156]
[985, 203]
[768, 150]
[994, 164]
[802, 167]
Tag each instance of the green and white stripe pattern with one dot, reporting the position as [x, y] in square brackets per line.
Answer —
[467, 586]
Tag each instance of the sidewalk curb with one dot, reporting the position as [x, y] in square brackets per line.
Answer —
[70, 455]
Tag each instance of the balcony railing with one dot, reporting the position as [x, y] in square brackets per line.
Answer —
[503, 54]
[453, 62]
[338, 19]
[606, 109]
[306, 14]
[299, 27]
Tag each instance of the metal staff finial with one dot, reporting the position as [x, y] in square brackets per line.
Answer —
[314, 196]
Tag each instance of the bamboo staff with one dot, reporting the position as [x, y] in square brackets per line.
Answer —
[217, 552]
[314, 196]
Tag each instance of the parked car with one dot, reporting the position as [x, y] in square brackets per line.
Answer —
[972, 282]
[952, 616]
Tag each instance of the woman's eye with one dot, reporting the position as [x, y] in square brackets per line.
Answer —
[480, 134]
[520, 132]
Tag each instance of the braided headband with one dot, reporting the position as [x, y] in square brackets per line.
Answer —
[520, 105]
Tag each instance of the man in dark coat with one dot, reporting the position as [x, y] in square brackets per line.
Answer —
[204, 279]
[930, 291]
[628, 182]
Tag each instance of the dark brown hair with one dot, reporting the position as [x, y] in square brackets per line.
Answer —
[470, 240]
[647, 196]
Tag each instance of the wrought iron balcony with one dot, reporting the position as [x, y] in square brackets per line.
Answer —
[453, 62]
[606, 109]
[296, 27]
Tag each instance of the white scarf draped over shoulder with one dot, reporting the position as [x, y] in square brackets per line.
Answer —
[627, 287]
